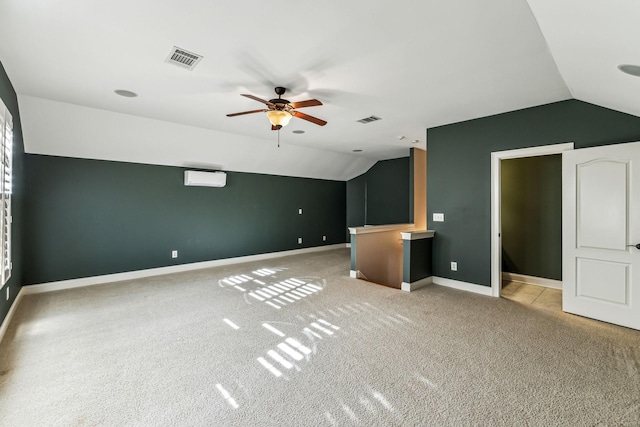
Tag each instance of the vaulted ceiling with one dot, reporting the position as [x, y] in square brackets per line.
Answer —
[413, 64]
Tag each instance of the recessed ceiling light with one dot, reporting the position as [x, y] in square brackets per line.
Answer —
[415, 141]
[633, 70]
[401, 137]
[126, 93]
[298, 132]
[357, 151]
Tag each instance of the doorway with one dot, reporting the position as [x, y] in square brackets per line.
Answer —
[496, 203]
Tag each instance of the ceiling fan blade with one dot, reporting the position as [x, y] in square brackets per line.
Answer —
[255, 98]
[307, 103]
[246, 112]
[308, 118]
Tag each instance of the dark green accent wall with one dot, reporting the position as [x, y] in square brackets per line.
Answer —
[8, 96]
[532, 216]
[416, 259]
[90, 217]
[380, 195]
[459, 172]
[411, 185]
[388, 192]
[357, 201]
[354, 262]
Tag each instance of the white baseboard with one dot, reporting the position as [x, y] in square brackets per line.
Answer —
[408, 287]
[532, 280]
[138, 274]
[463, 286]
[12, 310]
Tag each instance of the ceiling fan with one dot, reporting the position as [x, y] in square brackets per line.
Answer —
[279, 111]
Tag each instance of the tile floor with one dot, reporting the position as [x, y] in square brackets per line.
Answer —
[538, 296]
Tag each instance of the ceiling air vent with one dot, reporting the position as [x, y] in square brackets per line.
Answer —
[369, 119]
[183, 58]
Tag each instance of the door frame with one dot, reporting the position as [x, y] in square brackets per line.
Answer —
[496, 201]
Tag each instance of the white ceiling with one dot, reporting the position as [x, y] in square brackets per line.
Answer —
[588, 40]
[414, 64]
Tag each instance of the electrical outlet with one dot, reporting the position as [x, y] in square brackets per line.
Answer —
[300, 211]
[324, 238]
[454, 266]
[299, 240]
[438, 217]
[174, 254]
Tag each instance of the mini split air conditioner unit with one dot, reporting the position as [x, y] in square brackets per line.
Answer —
[205, 179]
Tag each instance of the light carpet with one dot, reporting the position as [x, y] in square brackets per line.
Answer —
[295, 342]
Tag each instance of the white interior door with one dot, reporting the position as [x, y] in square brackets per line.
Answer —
[600, 228]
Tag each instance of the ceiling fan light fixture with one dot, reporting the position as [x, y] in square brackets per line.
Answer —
[279, 117]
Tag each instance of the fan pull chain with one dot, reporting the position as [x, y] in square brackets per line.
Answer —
[278, 138]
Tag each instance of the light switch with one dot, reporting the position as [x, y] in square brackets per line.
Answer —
[438, 217]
